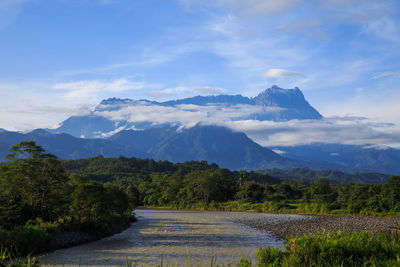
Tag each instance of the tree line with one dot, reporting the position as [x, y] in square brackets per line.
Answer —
[194, 183]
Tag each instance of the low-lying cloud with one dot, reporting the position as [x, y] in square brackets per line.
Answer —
[342, 130]
[184, 114]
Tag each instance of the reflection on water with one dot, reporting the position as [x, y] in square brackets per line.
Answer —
[167, 235]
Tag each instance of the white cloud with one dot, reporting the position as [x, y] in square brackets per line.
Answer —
[282, 73]
[386, 74]
[9, 10]
[108, 134]
[181, 114]
[384, 28]
[208, 90]
[248, 56]
[328, 130]
[260, 7]
[309, 27]
[43, 104]
[169, 92]
[343, 130]
[248, 8]
[185, 91]
[84, 89]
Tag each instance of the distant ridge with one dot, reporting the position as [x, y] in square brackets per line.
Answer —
[214, 144]
[228, 149]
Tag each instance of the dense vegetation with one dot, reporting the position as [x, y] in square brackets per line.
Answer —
[334, 249]
[39, 201]
[42, 198]
[202, 185]
[334, 176]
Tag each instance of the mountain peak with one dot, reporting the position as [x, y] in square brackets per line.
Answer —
[276, 96]
[292, 100]
[114, 100]
[278, 90]
[112, 103]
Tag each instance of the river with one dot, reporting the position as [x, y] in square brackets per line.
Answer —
[171, 236]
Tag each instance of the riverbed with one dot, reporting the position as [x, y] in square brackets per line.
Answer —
[173, 236]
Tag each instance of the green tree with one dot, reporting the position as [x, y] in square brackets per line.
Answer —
[33, 180]
[390, 194]
[88, 203]
[322, 191]
[254, 192]
[242, 180]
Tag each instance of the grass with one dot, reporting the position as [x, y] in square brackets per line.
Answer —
[272, 207]
[335, 249]
[10, 259]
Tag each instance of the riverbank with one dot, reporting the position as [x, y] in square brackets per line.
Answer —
[171, 236]
[325, 223]
[38, 237]
[271, 207]
[313, 223]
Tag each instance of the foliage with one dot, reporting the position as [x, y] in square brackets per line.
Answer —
[334, 176]
[335, 249]
[10, 259]
[36, 194]
[98, 195]
[205, 186]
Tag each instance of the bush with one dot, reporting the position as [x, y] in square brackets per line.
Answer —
[270, 256]
[25, 239]
[335, 249]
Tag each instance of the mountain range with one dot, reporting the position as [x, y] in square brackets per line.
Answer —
[115, 114]
[146, 129]
[228, 149]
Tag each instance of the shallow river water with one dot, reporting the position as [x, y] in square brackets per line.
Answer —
[172, 235]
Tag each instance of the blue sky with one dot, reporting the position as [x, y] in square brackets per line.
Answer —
[61, 57]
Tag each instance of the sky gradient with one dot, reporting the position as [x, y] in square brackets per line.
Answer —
[62, 57]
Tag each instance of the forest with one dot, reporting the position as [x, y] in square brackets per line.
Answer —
[43, 199]
[202, 185]
[41, 203]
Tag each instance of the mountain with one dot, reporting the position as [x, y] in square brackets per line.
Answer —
[63, 146]
[86, 126]
[291, 101]
[114, 114]
[215, 144]
[228, 149]
[361, 158]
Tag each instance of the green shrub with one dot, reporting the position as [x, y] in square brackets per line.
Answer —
[9, 259]
[270, 256]
[335, 249]
[26, 239]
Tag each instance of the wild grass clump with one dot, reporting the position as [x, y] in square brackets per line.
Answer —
[10, 259]
[313, 208]
[25, 239]
[335, 249]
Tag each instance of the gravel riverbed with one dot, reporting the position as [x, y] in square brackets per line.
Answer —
[329, 223]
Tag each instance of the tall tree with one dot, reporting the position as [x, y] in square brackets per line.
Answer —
[37, 177]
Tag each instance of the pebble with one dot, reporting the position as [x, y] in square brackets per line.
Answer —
[326, 223]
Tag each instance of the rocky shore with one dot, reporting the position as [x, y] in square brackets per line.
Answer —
[329, 223]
